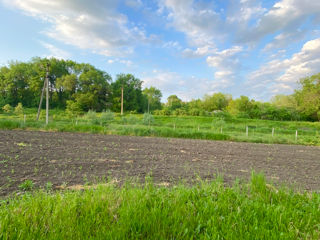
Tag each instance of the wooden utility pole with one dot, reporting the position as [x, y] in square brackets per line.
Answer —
[45, 86]
[47, 95]
[122, 100]
[41, 98]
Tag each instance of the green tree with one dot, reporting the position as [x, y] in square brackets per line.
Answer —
[153, 96]
[133, 99]
[173, 102]
[217, 101]
[308, 96]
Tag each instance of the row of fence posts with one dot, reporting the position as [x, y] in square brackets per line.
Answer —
[174, 127]
[247, 131]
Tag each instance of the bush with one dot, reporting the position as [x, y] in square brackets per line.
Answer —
[107, 116]
[7, 108]
[148, 119]
[73, 109]
[133, 120]
[222, 115]
[92, 117]
[18, 109]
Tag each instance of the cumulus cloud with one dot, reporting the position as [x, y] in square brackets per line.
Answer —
[285, 15]
[94, 25]
[226, 64]
[199, 22]
[282, 75]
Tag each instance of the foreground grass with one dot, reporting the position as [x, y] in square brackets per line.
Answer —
[205, 211]
[210, 128]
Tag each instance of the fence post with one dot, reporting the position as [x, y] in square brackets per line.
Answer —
[296, 135]
[24, 119]
[247, 131]
[272, 132]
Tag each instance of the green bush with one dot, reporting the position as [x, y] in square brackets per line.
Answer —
[92, 117]
[107, 116]
[73, 109]
[7, 108]
[148, 119]
[18, 109]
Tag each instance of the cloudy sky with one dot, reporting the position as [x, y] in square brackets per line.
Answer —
[185, 47]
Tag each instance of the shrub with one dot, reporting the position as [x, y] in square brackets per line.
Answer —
[73, 109]
[107, 116]
[132, 120]
[92, 117]
[18, 109]
[148, 119]
[7, 108]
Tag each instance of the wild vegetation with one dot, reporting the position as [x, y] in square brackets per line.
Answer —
[79, 87]
[204, 211]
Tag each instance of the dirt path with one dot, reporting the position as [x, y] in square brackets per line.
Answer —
[74, 158]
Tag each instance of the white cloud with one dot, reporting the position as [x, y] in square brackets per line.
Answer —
[226, 64]
[283, 75]
[285, 15]
[126, 62]
[283, 39]
[199, 22]
[94, 25]
[55, 52]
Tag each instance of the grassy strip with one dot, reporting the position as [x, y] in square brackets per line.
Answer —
[160, 131]
[205, 211]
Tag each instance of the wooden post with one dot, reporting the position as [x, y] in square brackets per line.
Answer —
[247, 131]
[121, 100]
[272, 132]
[24, 119]
[296, 135]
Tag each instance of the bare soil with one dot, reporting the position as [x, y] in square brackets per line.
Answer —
[71, 159]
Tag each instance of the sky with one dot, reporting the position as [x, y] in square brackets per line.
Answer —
[185, 47]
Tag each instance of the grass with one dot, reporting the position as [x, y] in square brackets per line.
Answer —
[207, 210]
[210, 128]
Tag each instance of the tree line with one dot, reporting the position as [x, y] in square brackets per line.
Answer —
[73, 86]
[79, 87]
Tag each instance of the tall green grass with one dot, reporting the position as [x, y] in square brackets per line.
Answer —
[203, 211]
[210, 128]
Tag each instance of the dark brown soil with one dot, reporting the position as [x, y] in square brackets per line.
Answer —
[75, 158]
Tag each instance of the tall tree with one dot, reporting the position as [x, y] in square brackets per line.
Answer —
[153, 96]
[133, 99]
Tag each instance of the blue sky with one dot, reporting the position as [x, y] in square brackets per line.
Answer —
[184, 47]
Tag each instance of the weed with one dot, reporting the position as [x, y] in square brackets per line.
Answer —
[27, 185]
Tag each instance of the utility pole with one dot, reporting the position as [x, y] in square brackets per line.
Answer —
[41, 98]
[47, 94]
[45, 87]
[122, 100]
